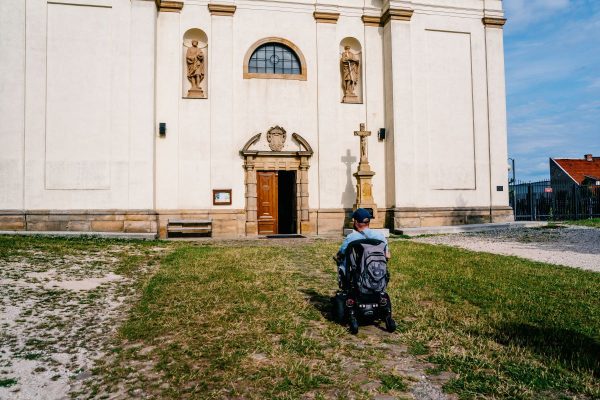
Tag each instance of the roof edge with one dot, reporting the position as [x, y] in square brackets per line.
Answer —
[564, 170]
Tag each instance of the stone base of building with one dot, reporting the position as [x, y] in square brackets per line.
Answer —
[233, 224]
[443, 216]
[333, 221]
[126, 221]
[225, 223]
[330, 221]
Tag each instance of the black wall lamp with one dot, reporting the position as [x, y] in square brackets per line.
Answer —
[381, 134]
[162, 129]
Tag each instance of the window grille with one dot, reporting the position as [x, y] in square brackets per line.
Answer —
[274, 58]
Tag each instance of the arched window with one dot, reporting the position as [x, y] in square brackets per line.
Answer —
[274, 58]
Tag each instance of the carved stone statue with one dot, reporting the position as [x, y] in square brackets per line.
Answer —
[350, 75]
[194, 57]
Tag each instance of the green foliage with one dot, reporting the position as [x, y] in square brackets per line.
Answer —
[509, 327]
[417, 348]
[7, 382]
[592, 222]
[392, 382]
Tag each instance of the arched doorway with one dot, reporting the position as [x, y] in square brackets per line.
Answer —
[276, 183]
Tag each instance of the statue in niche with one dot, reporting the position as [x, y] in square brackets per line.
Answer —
[194, 57]
[350, 75]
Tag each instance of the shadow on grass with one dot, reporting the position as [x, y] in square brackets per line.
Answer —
[324, 304]
[321, 302]
[574, 350]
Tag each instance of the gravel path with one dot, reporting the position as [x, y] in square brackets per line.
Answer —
[577, 247]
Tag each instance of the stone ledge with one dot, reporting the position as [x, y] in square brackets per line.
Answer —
[105, 235]
[371, 20]
[434, 209]
[85, 212]
[396, 14]
[326, 17]
[225, 10]
[138, 221]
[493, 22]
[168, 6]
[440, 230]
[409, 217]
[12, 212]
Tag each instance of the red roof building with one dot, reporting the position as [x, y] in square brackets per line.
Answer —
[584, 171]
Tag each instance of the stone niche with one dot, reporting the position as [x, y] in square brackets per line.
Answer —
[195, 64]
[351, 71]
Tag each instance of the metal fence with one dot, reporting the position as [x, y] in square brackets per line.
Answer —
[542, 201]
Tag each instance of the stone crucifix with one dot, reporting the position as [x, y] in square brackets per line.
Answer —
[364, 177]
[363, 134]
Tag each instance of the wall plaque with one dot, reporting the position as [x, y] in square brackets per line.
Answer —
[221, 197]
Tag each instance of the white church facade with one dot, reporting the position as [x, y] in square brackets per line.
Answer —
[131, 115]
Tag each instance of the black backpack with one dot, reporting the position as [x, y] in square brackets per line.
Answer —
[367, 264]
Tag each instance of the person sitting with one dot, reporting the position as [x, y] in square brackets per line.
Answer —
[361, 218]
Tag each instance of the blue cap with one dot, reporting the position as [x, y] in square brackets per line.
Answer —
[362, 215]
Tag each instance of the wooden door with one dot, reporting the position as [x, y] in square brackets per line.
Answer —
[267, 202]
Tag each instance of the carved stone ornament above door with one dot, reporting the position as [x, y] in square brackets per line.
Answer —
[276, 138]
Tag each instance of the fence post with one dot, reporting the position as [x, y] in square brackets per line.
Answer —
[530, 195]
[577, 200]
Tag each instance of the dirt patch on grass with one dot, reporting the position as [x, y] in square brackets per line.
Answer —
[59, 310]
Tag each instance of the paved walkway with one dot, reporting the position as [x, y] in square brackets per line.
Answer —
[571, 246]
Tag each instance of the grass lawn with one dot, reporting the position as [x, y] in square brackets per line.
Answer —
[592, 222]
[251, 320]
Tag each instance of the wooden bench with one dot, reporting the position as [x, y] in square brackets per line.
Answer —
[182, 227]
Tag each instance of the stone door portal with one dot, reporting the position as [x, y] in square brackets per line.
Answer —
[277, 186]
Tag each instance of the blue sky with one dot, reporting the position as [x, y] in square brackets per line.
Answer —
[552, 50]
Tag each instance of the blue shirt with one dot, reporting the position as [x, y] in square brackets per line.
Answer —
[366, 234]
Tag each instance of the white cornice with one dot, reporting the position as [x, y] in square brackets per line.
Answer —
[276, 5]
[465, 8]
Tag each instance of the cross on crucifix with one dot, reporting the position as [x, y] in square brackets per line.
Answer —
[363, 134]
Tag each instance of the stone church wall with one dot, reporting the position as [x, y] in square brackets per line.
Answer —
[445, 102]
[91, 82]
[87, 105]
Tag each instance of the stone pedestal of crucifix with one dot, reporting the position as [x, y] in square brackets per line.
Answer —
[364, 175]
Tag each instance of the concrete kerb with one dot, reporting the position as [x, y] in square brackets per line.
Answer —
[412, 232]
[440, 230]
[154, 236]
[103, 235]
